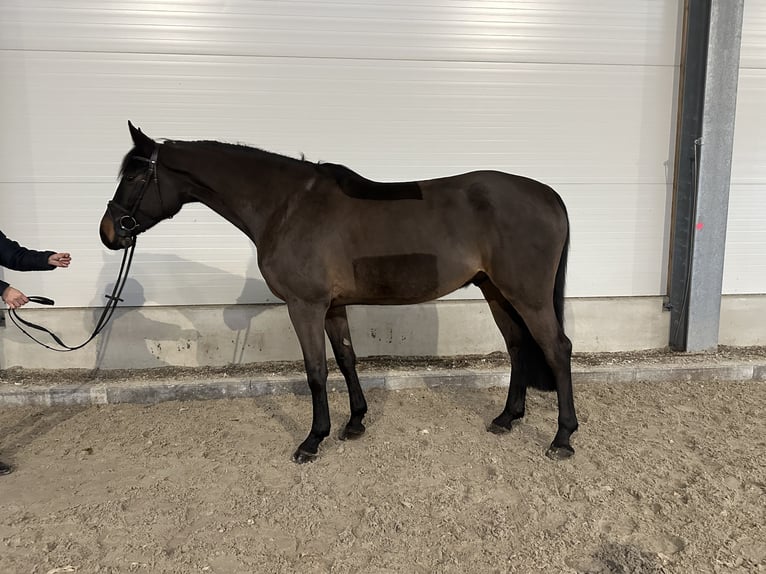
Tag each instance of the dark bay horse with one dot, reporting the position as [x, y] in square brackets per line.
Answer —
[327, 238]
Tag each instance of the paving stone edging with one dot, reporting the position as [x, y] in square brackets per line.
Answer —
[154, 391]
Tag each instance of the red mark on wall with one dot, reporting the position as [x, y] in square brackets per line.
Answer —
[700, 225]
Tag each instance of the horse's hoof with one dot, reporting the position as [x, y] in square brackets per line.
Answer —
[5, 469]
[495, 428]
[302, 457]
[559, 452]
[351, 433]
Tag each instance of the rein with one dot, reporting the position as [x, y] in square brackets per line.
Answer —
[112, 300]
[126, 226]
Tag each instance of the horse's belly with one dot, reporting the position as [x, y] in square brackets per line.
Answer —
[402, 279]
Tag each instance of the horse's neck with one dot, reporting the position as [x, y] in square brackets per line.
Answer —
[241, 189]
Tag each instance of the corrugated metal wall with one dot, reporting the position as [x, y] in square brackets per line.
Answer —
[745, 259]
[580, 95]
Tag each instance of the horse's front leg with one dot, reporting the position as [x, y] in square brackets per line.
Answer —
[308, 320]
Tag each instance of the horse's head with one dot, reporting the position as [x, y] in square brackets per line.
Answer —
[143, 197]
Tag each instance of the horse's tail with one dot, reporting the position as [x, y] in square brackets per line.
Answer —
[561, 272]
[540, 376]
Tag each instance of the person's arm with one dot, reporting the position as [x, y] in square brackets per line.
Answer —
[14, 256]
[15, 298]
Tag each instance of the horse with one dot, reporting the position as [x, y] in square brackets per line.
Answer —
[326, 238]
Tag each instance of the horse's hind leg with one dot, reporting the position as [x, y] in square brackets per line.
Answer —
[308, 321]
[516, 341]
[557, 348]
[336, 326]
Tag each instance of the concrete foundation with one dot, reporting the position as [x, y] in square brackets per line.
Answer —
[146, 337]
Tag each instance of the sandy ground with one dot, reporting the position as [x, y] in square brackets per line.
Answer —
[667, 478]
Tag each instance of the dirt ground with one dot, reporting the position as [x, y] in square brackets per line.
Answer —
[666, 478]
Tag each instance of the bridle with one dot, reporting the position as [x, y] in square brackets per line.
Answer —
[124, 219]
[125, 225]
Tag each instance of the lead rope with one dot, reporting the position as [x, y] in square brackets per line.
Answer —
[112, 300]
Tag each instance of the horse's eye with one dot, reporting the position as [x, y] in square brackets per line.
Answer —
[130, 178]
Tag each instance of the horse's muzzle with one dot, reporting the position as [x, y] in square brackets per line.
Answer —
[109, 236]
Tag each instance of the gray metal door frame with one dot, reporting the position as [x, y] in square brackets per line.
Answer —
[708, 99]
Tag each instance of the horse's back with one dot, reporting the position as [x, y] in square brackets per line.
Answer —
[492, 202]
[462, 209]
[481, 190]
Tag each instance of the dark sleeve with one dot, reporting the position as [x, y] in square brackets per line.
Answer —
[14, 256]
[3, 286]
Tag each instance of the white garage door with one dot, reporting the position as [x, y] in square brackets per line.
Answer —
[745, 259]
[579, 94]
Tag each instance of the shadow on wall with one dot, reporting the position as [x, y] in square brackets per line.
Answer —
[133, 339]
[248, 331]
[140, 337]
[240, 318]
[375, 330]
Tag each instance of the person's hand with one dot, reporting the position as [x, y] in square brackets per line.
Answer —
[14, 298]
[60, 259]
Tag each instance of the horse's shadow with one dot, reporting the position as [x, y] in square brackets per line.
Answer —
[373, 331]
[132, 330]
[132, 337]
[134, 340]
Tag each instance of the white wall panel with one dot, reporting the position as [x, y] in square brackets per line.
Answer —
[745, 257]
[564, 123]
[753, 48]
[578, 95]
[558, 31]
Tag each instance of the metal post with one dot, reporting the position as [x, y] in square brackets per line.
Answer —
[702, 195]
[692, 91]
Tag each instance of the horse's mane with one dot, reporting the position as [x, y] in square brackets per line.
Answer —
[245, 150]
[349, 181]
[335, 171]
[222, 146]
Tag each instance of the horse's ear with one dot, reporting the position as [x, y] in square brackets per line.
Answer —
[143, 143]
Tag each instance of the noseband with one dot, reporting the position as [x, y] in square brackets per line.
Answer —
[124, 219]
